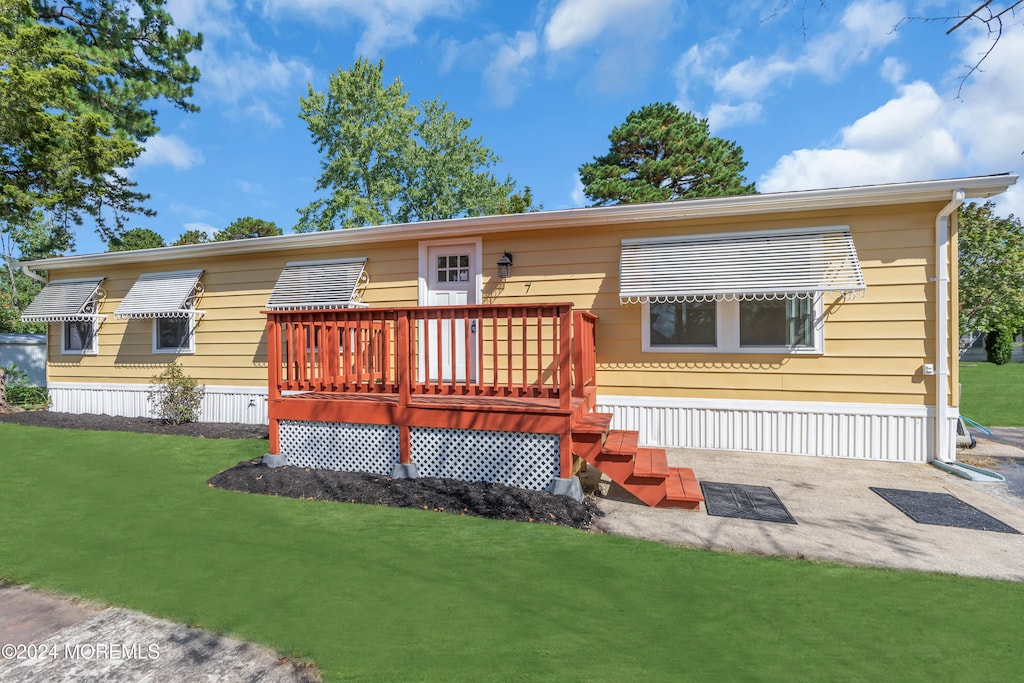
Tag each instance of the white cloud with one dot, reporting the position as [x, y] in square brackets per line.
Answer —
[907, 138]
[388, 23]
[924, 134]
[261, 111]
[230, 79]
[865, 27]
[894, 70]
[577, 196]
[169, 150]
[722, 116]
[697, 64]
[217, 18]
[507, 71]
[576, 22]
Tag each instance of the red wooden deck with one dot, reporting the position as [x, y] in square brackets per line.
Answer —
[506, 368]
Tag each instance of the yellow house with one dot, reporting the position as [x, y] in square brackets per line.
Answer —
[815, 322]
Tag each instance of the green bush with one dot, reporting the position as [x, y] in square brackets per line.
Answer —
[176, 397]
[999, 346]
[21, 392]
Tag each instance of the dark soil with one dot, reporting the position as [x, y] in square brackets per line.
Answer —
[479, 499]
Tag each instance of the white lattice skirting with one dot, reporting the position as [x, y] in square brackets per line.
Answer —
[528, 461]
[247, 405]
[838, 430]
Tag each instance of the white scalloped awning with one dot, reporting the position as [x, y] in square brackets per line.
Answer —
[162, 295]
[743, 265]
[65, 301]
[318, 284]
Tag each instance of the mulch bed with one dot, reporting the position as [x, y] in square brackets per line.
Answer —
[480, 499]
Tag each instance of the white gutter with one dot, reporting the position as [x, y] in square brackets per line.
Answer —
[623, 215]
[944, 444]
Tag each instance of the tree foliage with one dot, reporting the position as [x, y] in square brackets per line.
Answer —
[991, 270]
[386, 161]
[35, 238]
[247, 228]
[661, 153]
[191, 237]
[136, 238]
[76, 88]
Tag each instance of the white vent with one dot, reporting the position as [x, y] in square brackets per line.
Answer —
[744, 265]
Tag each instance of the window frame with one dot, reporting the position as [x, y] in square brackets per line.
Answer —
[727, 334]
[189, 348]
[94, 345]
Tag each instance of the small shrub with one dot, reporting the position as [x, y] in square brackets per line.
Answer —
[176, 398]
[21, 392]
[999, 346]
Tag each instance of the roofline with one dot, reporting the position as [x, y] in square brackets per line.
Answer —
[976, 187]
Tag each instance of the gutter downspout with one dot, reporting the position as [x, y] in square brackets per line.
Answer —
[943, 443]
[35, 276]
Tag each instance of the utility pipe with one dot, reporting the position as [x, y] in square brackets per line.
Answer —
[943, 442]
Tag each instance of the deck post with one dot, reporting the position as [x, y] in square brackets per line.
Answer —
[565, 357]
[273, 458]
[402, 351]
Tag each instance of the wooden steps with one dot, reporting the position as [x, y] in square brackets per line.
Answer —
[644, 472]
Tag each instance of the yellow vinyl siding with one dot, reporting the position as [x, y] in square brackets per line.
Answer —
[873, 351]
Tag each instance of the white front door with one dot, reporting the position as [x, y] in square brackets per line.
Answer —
[452, 280]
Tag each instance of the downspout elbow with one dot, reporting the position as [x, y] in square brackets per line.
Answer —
[30, 273]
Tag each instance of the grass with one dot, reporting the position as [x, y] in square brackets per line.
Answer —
[383, 594]
[993, 394]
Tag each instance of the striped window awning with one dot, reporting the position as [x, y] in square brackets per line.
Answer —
[745, 265]
[66, 301]
[162, 295]
[319, 285]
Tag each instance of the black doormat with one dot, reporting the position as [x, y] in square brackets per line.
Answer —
[744, 502]
[941, 509]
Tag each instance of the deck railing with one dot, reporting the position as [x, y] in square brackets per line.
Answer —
[531, 350]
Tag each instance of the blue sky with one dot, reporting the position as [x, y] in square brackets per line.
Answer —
[848, 94]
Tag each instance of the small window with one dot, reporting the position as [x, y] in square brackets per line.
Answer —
[453, 268]
[78, 336]
[173, 335]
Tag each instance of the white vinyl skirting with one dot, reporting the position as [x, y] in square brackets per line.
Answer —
[839, 430]
[247, 405]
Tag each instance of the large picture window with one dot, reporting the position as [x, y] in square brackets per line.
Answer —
[775, 326]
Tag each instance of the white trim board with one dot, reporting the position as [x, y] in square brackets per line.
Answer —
[844, 430]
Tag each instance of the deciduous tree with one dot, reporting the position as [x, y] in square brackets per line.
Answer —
[661, 153]
[386, 161]
[991, 270]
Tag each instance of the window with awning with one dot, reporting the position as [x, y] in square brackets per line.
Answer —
[66, 301]
[319, 285]
[757, 265]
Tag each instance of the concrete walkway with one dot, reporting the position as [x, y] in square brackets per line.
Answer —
[839, 519]
[46, 638]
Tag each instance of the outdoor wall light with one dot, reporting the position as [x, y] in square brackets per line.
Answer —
[505, 265]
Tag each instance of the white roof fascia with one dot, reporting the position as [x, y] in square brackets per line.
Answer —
[800, 200]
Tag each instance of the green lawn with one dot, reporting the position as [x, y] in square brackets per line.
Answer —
[383, 594]
[993, 394]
